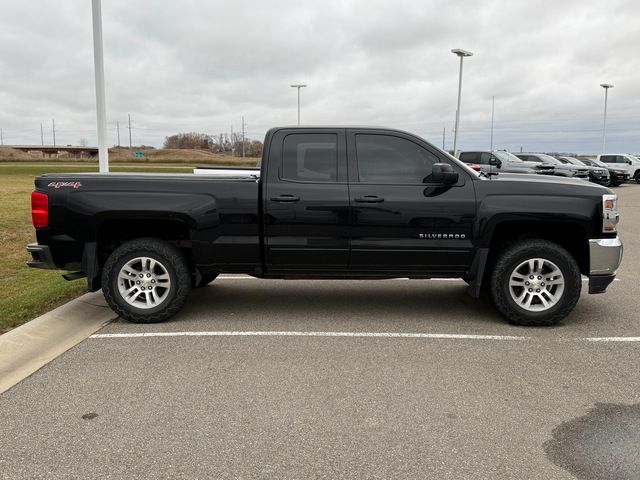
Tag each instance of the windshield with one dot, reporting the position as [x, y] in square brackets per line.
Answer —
[575, 161]
[506, 156]
[599, 163]
[546, 159]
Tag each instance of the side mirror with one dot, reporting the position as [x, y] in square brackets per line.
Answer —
[629, 161]
[443, 173]
[496, 162]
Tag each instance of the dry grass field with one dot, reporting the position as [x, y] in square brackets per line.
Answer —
[124, 155]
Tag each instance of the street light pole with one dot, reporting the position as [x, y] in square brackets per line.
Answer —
[460, 53]
[606, 87]
[298, 86]
[103, 153]
[493, 100]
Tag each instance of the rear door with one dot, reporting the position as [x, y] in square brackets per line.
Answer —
[402, 221]
[306, 201]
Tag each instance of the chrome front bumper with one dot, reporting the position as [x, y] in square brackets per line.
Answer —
[605, 255]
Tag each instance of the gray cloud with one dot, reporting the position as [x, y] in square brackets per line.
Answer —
[201, 65]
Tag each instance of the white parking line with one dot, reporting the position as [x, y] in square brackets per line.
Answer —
[612, 339]
[450, 336]
[445, 336]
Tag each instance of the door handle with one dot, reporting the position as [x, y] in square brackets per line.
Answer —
[369, 199]
[285, 199]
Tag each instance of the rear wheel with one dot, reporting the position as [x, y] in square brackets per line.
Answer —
[535, 282]
[146, 280]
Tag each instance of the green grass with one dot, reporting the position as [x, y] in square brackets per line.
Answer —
[25, 292]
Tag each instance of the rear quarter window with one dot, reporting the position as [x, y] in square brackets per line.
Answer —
[469, 157]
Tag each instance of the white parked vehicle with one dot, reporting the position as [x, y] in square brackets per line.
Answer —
[623, 161]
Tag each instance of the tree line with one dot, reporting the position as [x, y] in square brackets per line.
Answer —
[220, 143]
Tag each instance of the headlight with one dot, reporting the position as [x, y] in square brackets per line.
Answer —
[610, 216]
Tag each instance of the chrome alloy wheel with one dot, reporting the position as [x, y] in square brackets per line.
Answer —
[536, 284]
[144, 282]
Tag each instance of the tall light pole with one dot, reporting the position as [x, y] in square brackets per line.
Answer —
[103, 153]
[129, 127]
[298, 86]
[606, 87]
[460, 53]
[493, 101]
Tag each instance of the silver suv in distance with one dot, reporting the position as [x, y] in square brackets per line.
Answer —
[501, 161]
[597, 174]
[560, 169]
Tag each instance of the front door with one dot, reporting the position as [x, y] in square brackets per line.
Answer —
[306, 199]
[401, 220]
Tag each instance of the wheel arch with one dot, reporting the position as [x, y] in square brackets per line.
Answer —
[570, 235]
[113, 231]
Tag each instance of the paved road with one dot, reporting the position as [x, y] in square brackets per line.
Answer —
[550, 404]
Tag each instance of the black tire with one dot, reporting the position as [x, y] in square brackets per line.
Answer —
[205, 280]
[171, 259]
[637, 177]
[514, 256]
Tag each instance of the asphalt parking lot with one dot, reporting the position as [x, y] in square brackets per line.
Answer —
[462, 395]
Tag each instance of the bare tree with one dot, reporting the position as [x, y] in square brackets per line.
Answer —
[189, 140]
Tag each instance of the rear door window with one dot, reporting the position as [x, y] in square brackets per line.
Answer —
[310, 157]
[469, 157]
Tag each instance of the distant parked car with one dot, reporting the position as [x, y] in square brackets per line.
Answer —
[560, 169]
[623, 161]
[474, 166]
[599, 175]
[500, 161]
[617, 176]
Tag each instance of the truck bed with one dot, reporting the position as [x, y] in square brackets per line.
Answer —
[205, 209]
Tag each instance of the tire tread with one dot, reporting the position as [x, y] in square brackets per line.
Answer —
[537, 247]
[176, 260]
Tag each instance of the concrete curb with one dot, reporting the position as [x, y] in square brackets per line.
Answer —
[29, 347]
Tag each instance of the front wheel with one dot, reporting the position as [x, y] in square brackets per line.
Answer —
[146, 280]
[535, 282]
[637, 176]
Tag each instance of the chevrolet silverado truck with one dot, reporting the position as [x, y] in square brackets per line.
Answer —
[333, 203]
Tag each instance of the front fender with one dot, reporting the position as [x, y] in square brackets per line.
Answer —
[549, 209]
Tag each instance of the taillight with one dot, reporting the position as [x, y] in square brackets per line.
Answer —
[610, 216]
[40, 209]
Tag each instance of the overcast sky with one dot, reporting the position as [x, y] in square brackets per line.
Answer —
[199, 65]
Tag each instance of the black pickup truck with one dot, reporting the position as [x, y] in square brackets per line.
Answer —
[330, 202]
